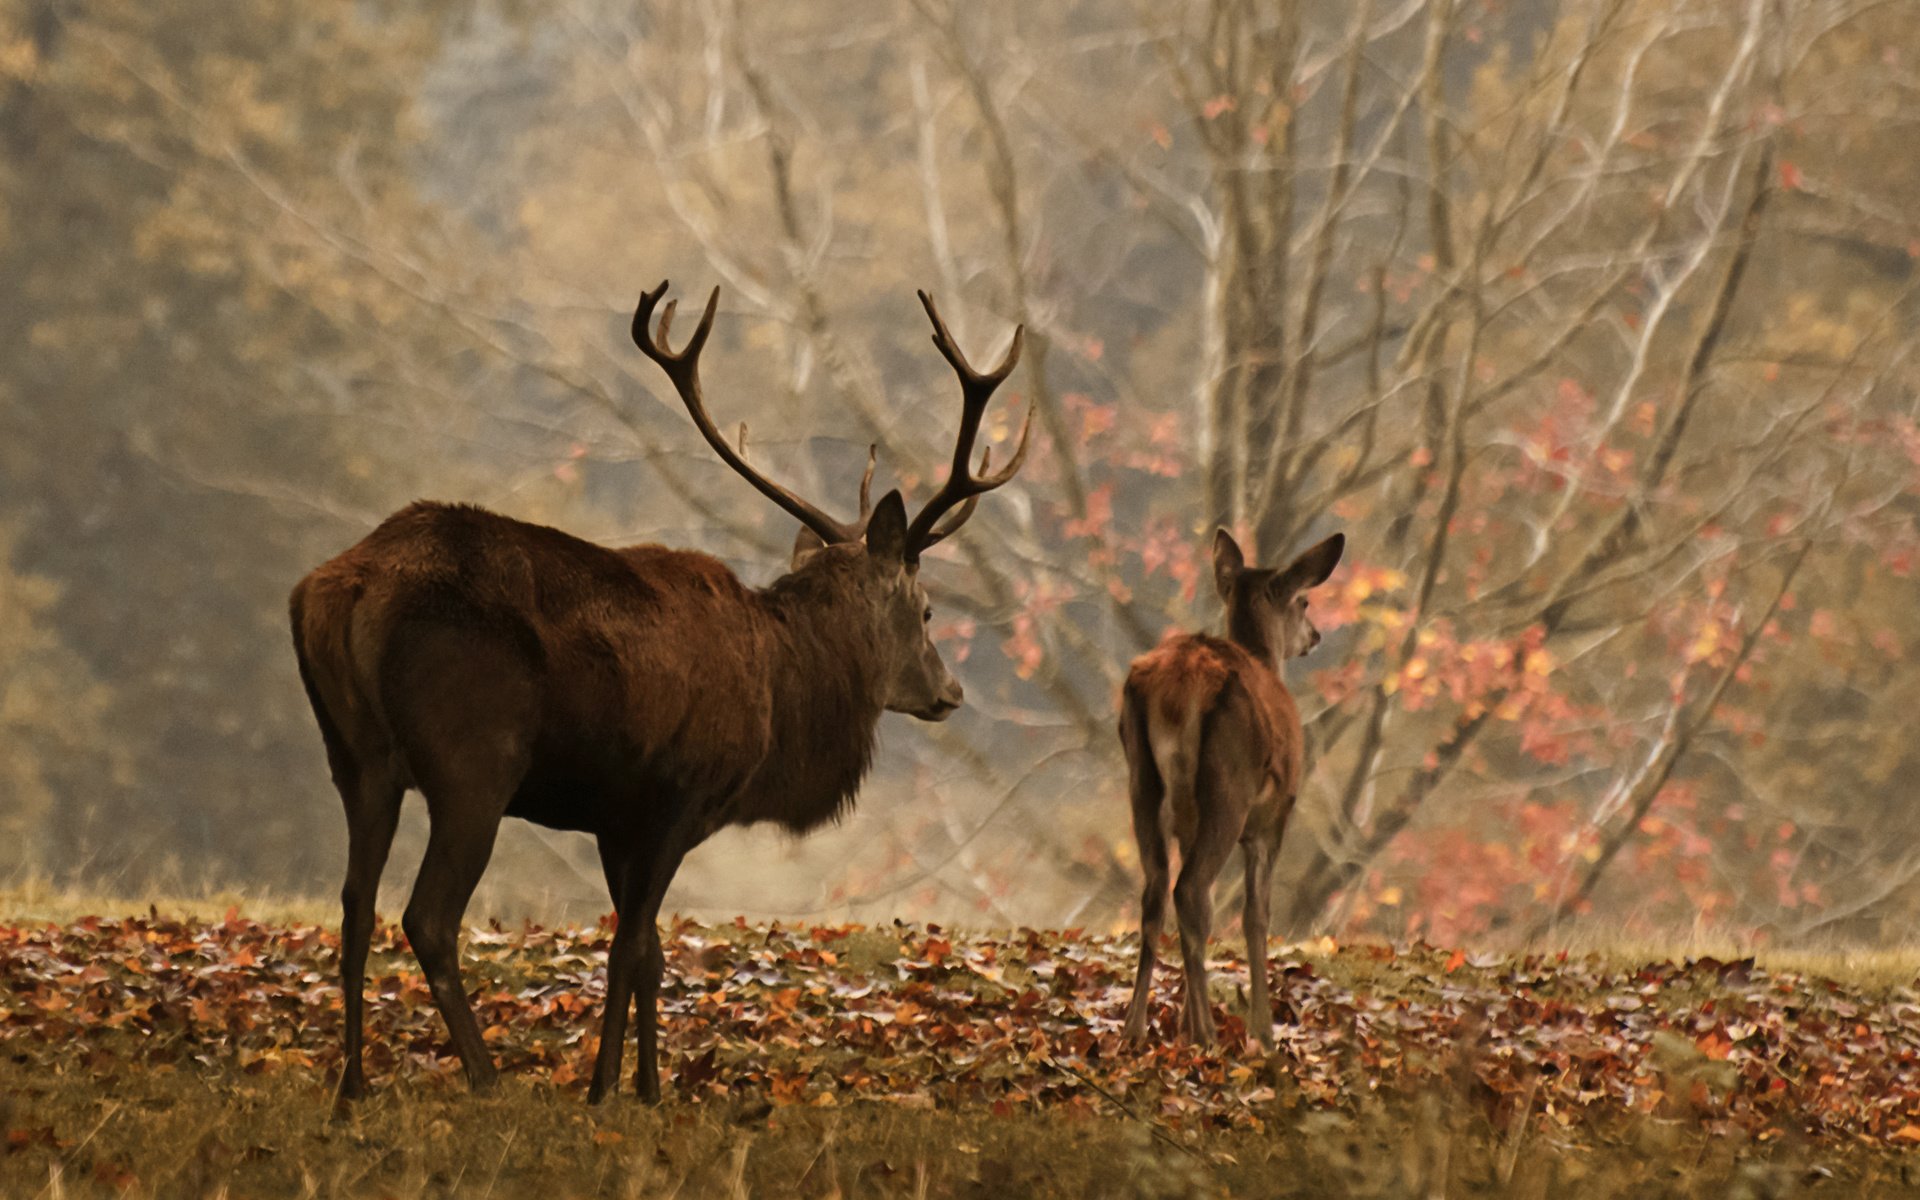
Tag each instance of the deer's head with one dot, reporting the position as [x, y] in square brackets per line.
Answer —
[1267, 607]
[881, 548]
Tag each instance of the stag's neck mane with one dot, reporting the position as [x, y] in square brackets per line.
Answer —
[826, 674]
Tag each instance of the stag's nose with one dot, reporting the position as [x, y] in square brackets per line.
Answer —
[946, 702]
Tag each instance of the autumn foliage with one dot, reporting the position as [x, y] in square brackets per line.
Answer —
[826, 1016]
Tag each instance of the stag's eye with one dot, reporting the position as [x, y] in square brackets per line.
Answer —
[926, 618]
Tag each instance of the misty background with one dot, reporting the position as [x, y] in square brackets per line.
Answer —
[1591, 322]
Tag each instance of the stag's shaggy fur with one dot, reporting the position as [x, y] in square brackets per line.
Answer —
[643, 695]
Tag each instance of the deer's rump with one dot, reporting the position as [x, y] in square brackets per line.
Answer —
[1195, 694]
[599, 668]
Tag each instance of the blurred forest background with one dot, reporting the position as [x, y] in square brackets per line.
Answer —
[1591, 321]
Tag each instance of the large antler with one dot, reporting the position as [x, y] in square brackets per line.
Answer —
[962, 487]
[683, 369]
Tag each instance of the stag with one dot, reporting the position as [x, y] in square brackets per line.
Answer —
[643, 695]
[1212, 740]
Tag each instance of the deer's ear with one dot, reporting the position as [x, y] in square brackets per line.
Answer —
[1228, 562]
[1312, 568]
[887, 529]
[806, 544]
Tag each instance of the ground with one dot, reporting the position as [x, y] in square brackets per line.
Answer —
[172, 1056]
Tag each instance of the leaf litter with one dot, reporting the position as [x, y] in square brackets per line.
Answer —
[921, 1016]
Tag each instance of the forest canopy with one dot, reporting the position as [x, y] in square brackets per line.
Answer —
[1590, 323]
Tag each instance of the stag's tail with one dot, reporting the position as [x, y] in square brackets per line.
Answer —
[308, 636]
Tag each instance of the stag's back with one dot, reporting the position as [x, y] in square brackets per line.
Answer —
[606, 657]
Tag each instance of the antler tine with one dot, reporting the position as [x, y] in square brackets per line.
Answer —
[959, 515]
[963, 488]
[971, 379]
[683, 369]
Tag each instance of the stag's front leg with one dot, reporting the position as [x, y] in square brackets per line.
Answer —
[623, 960]
[634, 965]
[652, 969]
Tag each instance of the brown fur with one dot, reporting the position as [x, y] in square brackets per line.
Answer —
[643, 695]
[1213, 746]
[643, 657]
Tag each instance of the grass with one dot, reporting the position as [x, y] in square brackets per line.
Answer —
[193, 1134]
[77, 1123]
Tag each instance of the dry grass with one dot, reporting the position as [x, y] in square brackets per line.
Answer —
[193, 1135]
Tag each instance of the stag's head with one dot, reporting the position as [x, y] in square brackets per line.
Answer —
[1268, 606]
[881, 547]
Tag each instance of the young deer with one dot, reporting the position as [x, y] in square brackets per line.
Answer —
[1213, 751]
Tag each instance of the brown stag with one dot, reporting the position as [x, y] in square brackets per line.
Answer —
[1212, 740]
[643, 695]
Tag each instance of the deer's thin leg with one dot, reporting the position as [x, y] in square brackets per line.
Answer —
[1259, 857]
[373, 809]
[1153, 913]
[458, 846]
[1147, 795]
[647, 996]
[1193, 906]
[634, 966]
[617, 861]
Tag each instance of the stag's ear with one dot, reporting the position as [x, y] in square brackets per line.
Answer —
[1312, 568]
[1228, 562]
[805, 545]
[887, 529]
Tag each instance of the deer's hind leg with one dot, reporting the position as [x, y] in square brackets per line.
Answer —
[372, 794]
[1229, 784]
[1147, 793]
[1217, 829]
[1259, 853]
[464, 703]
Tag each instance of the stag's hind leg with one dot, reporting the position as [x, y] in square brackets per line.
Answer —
[465, 704]
[372, 795]
[458, 848]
